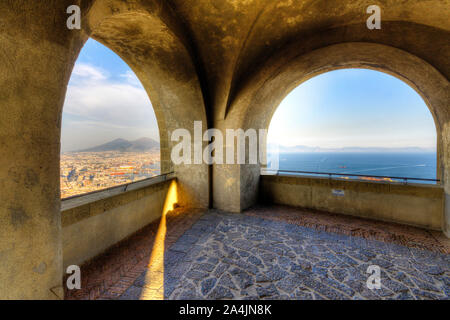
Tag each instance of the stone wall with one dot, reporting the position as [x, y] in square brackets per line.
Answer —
[90, 228]
[417, 205]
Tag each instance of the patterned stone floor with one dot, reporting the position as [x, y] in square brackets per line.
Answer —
[229, 256]
[271, 253]
[409, 236]
[111, 273]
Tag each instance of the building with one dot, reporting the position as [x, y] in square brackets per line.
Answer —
[227, 65]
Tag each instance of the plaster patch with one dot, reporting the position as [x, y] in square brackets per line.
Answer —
[18, 216]
[40, 268]
[32, 178]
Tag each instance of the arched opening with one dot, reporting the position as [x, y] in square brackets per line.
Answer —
[148, 39]
[355, 124]
[149, 43]
[258, 99]
[109, 132]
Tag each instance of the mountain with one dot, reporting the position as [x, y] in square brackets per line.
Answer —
[139, 145]
[296, 149]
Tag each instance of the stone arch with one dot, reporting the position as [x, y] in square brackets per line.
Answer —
[258, 98]
[150, 40]
[357, 65]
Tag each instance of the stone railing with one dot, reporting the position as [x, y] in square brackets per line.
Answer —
[93, 222]
[419, 205]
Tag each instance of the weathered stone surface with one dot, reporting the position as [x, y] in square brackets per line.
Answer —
[221, 293]
[225, 63]
[132, 293]
[207, 285]
[324, 269]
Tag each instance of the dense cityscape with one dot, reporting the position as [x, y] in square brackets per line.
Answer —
[83, 172]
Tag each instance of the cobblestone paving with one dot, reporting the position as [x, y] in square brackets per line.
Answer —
[108, 275]
[232, 256]
[409, 236]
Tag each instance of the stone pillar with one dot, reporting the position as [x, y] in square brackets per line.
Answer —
[235, 186]
[446, 178]
[35, 65]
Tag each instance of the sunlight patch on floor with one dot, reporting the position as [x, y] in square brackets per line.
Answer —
[154, 279]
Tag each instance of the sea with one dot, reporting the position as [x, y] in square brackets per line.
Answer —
[405, 164]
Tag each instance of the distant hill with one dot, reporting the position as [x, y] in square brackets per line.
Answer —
[297, 149]
[139, 145]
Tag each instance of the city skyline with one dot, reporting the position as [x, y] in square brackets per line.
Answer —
[84, 172]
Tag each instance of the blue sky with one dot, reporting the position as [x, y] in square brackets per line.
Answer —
[353, 108]
[104, 101]
[344, 108]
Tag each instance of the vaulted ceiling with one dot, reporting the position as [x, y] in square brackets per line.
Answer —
[230, 39]
[227, 41]
[235, 36]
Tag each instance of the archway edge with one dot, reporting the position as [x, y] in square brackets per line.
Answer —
[274, 81]
[149, 38]
[259, 98]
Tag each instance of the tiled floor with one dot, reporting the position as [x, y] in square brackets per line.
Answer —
[272, 252]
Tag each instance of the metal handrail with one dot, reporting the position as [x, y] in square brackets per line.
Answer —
[330, 174]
